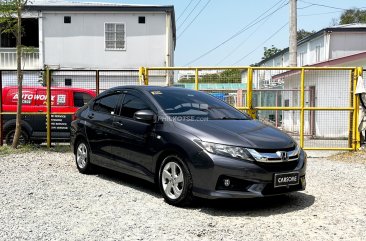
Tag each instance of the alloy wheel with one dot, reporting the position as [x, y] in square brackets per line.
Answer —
[82, 155]
[172, 180]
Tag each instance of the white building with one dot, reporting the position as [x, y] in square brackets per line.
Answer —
[69, 35]
[338, 46]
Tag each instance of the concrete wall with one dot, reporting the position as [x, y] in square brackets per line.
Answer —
[81, 44]
[344, 44]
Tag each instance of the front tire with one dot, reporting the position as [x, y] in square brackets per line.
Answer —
[175, 181]
[82, 157]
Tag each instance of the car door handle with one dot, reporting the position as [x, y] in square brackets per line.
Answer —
[91, 116]
[40, 110]
[118, 123]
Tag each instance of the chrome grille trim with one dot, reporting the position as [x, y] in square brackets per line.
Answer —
[274, 158]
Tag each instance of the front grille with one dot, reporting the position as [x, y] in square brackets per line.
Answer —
[278, 156]
[278, 166]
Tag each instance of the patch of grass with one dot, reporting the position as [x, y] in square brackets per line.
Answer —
[351, 156]
[8, 150]
[59, 148]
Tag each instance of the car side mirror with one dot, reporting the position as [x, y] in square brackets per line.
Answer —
[144, 116]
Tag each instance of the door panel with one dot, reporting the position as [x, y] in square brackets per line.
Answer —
[99, 125]
[131, 139]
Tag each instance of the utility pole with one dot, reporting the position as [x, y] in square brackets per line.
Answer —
[293, 34]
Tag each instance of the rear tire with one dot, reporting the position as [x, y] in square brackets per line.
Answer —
[175, 181]
[23, 138]
[82, 157]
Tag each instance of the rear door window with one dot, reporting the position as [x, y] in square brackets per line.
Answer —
[81, 99]
[106, 104]
[132, 104]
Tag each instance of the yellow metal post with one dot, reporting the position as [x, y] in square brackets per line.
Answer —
[302, 105]
[141, 75]
[48, 116]
[146, 76]
[196, 87]
[251, 111]
[358, 134]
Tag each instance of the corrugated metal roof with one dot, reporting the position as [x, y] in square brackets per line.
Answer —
[351, 25]
[91, 4]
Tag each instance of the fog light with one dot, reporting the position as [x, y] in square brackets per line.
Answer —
[227, 182]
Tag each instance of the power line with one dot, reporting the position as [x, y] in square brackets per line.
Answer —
[315, 14]
[241, 43]
[260, 45]
[306, 7]
[189, 4]
[240, 31]
[193, 19]
[246, 39]
[322, 5]
[189, 14]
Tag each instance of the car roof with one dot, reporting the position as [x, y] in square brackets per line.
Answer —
[147, 87]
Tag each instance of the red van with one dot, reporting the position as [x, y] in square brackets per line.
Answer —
[34, 99]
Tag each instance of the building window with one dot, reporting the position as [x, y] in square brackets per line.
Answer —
[317, 54]
[68, 82]
[142, 19]
[301, 59]
[115, 36]
[67, 19]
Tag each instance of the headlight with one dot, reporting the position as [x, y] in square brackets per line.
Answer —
[229, 151]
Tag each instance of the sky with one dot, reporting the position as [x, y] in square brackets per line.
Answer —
[235, 32]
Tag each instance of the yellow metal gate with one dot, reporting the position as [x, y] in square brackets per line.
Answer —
[315, 105]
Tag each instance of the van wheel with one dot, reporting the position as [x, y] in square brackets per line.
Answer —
[82, 157]
[175, 181]
[23, 138]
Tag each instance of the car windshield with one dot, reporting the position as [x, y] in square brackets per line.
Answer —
[195, 105]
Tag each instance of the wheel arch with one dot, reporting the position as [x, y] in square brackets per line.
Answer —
[78, 138]
[168, 150]
[10, 124]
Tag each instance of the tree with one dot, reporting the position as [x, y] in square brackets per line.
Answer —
[11, 22]
[226, 76]
[353, 16]
[302, 33]
[269, 52]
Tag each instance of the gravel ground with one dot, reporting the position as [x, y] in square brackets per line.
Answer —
[43, 197]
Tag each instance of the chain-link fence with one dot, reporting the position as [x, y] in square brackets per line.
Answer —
[68, 89]
[314, 105]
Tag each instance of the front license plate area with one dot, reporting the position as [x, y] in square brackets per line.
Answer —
[286, 179]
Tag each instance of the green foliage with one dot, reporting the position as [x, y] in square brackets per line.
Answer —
[8, 21]
[353, 16]
[269, 52]
[302, 33]
[8, 15]
[226, 76]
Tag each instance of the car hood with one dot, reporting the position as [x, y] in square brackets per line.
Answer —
[246, 133]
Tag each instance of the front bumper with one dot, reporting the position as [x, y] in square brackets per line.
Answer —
[248, 179]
